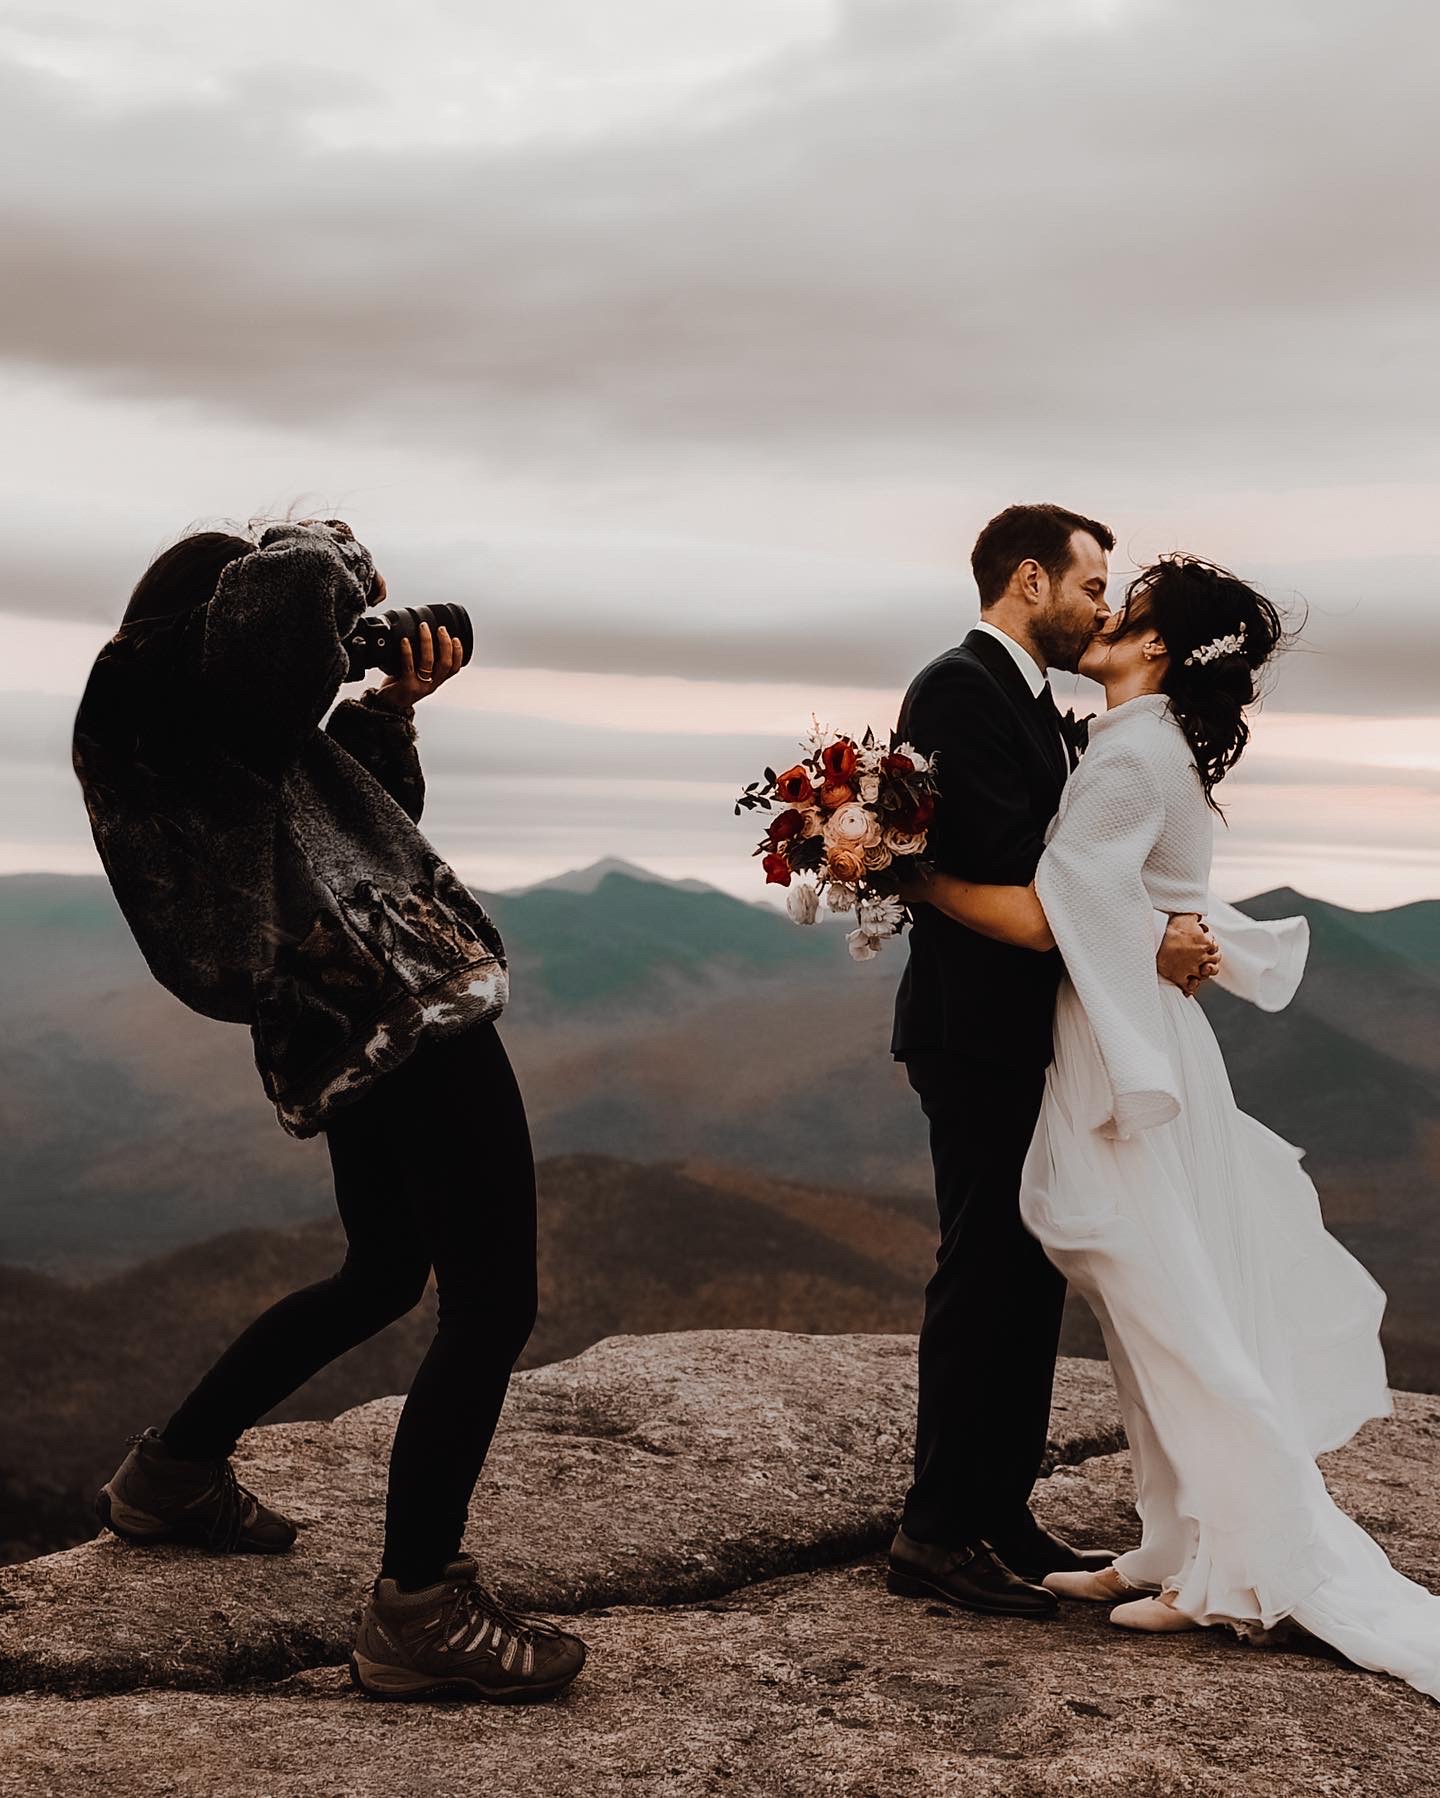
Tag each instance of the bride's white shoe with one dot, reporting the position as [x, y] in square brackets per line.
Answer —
[1156, 1616]
[1103, 1587]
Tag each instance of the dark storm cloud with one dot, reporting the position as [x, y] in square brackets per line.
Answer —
[952, 231]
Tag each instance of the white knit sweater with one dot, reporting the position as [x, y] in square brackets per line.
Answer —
[1134, 836]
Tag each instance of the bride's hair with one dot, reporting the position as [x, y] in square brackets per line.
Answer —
[1219, 634]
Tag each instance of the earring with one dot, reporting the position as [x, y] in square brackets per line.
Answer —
[1151, 650]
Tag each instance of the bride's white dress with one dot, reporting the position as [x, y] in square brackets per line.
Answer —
[1243, 1337]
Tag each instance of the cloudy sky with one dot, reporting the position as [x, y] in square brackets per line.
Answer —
[689, 343]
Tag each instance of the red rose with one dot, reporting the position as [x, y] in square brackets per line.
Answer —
[777, 871]
[920, 814]
[836, 793]
[838, 760]
[897, 764]
[787, 825]
[795, 787]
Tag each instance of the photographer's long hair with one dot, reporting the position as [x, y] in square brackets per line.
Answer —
[1197, 606]
[184, 576]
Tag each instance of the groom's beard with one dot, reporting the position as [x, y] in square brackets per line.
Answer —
[1063, 648]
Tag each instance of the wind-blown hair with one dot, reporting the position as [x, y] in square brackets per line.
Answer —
[1196, 606]
[184, 575]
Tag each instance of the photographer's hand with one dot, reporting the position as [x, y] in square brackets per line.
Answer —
[440, 656]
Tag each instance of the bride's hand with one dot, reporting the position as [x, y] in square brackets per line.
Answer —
[1189, 955]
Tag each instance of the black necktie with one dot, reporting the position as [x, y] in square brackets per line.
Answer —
[1050, 712]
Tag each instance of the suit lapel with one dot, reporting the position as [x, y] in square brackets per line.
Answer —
[998, 661]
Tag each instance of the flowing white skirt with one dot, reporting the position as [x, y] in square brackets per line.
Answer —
[1244, 1342]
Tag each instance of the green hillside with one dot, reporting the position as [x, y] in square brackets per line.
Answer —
[631, 939]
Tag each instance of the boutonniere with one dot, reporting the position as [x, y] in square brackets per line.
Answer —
[1076, 731]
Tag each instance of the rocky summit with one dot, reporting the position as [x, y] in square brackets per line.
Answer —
[713, 1505]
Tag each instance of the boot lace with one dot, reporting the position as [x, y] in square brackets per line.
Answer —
[474, 1620]
[230, 1506]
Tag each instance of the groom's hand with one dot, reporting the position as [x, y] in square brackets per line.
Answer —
[1189, 955]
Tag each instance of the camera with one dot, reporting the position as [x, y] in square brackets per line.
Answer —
[376, 639]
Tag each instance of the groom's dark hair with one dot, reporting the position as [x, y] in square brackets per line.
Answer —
[1024, 534]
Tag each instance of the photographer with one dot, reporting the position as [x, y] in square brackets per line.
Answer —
[273, 875]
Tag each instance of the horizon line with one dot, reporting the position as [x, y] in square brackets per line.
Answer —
[625, 867]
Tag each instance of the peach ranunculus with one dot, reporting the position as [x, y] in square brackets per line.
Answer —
[878, 857]
[854, 825]
[815, 822]
[836, 793]
[846, 862]
[904, 842]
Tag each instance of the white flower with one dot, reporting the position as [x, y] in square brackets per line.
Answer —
[863, 946]
[877, 856]
[922, 762]
[869, 788]
[840, 897]
[803, 902]
[814, 822]
[821, 736]
[867, 761]
[881, 916]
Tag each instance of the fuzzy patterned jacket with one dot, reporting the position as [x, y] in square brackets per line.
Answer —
[272, 872]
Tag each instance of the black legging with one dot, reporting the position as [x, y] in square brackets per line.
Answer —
[433, 1168]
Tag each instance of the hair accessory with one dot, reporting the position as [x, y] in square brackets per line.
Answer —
[1212, 652]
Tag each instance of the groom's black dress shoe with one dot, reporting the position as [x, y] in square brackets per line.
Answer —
[974, 1579]
[1035, 1553]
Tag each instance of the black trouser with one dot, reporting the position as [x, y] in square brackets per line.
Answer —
[992, 1310]
[432, 1168]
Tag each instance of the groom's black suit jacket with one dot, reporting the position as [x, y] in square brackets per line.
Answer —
[1001, 770]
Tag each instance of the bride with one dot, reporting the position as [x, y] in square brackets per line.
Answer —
[1242, 1337]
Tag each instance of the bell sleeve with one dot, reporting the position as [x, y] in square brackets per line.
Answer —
[1091, 884]
[1260, 961]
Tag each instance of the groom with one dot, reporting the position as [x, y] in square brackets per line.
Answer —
[972, 1026]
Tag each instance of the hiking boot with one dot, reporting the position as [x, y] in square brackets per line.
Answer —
[455, 1638]
[154, 1496]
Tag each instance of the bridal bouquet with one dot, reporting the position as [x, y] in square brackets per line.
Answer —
[854, 815]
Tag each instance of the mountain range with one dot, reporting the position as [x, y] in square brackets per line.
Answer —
[724, 1139]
